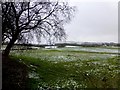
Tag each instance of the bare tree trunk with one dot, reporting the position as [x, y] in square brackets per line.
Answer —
[9, 46]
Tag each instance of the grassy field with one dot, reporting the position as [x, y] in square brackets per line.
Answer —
[71, 68]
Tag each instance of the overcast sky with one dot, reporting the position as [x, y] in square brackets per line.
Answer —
[94, 21]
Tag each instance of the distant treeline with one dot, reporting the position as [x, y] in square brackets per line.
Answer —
[84, 44]
[99, 44]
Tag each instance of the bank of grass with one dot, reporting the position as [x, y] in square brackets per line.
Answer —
[48, 70]
[14, 74]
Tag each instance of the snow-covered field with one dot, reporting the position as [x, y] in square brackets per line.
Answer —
[93, 49]
[71, 67]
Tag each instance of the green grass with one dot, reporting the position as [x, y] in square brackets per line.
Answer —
[70, 69]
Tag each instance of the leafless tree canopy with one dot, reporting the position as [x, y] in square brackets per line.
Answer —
[22, 21]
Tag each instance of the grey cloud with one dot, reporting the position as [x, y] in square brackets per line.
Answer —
[94, 20]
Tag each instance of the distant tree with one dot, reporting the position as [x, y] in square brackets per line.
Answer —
[22, 21]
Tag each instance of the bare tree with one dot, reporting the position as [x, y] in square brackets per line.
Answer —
[24, 20]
